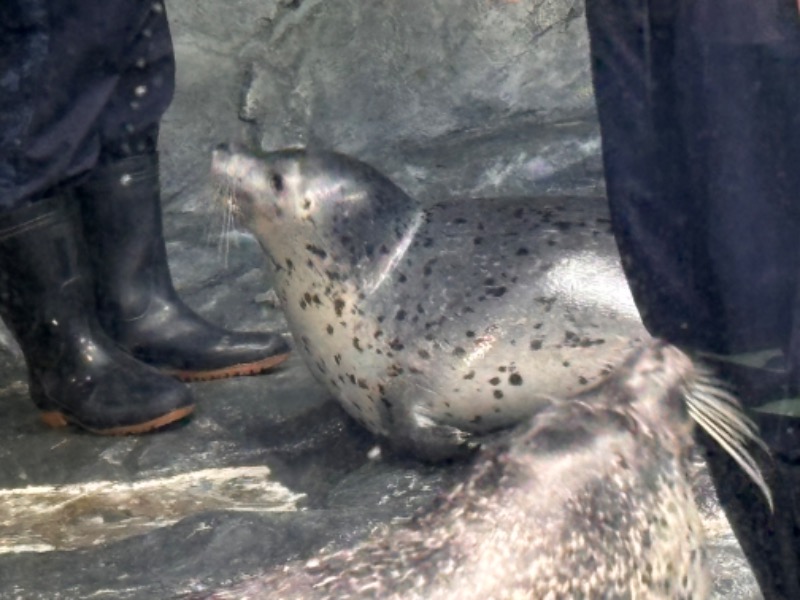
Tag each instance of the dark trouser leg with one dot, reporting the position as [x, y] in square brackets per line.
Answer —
[71, 73]
[700, 148]
[129, 123]
[659, 224]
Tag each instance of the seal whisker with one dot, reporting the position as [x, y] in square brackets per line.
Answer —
[719, 414]
[223, 215]
[727, 408]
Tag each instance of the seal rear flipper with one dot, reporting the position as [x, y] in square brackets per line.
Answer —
[416, 433]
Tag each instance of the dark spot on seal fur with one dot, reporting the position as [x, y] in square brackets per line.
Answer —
[424, 354]
[401, 315]
[546, 301]
[515, 379]
[495, 381]
[459, 351]
[396, 345]
[329, 329]
[338, 306]
[357, 344]
[497, 394]
[319, 252]
[395, 370]
[536, 344]
[470, 375]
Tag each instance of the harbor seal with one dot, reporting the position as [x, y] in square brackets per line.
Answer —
[591, 498]
[432, 324]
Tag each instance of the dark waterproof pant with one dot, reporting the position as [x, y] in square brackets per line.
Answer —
[80, 81]
[699, 106]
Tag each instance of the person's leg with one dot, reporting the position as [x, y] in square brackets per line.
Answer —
[659, 225]
[58, 63]
[121, 207]
[702, 198]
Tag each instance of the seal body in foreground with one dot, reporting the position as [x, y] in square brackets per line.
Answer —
[589, 499]
[433, 323]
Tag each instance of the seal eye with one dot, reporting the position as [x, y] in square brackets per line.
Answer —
[277, 182]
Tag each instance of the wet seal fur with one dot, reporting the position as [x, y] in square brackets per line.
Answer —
[589, 499]
[431, 324]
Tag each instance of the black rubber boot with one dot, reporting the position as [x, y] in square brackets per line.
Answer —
[137, 303]
[77, 374]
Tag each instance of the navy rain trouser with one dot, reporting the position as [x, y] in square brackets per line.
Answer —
[699, 106]
[81, 81]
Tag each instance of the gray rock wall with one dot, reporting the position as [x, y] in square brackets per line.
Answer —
[473, 97]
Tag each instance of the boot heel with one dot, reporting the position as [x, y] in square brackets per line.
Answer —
[49, 414]
[54, 419]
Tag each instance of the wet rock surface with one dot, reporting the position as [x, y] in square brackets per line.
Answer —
[449, 98]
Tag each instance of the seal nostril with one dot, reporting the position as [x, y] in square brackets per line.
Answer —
[277, 182]
[223, 147]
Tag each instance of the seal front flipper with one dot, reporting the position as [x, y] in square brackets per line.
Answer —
[416, 433]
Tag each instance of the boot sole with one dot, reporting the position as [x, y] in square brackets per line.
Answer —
[254, 368]
[57, 419]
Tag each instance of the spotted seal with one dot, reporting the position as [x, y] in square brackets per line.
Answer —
[433, 323]
[588, 499]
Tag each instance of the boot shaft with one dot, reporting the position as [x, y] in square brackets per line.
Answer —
[120, 207]
[45, 283]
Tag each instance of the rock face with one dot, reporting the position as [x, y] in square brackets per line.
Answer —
[484, 97]
[455, 97]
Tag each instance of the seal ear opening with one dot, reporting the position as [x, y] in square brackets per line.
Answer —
[721, 416]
